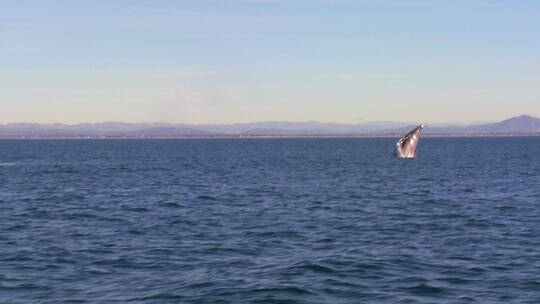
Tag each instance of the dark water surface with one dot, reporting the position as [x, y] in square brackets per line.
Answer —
[269, 221]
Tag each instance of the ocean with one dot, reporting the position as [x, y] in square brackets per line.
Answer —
[270, 221]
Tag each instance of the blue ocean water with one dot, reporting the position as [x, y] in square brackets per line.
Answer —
[270, 221]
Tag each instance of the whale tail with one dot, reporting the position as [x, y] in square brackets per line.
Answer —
[406, 146]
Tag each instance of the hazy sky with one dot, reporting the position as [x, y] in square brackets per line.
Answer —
[257, 60]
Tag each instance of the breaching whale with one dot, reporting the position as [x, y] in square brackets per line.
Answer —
[406, 146]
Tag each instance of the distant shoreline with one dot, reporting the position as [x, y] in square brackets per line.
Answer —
[524, 125]
[318, 136]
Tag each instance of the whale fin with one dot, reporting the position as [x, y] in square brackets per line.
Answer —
[406, 146]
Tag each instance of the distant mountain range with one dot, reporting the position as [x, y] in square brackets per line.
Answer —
[521, 125]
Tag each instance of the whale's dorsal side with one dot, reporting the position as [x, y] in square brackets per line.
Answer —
[406, 146]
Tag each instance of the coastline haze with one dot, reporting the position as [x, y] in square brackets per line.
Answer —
[523, 125]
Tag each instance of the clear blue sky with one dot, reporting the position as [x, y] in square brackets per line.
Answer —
[257, 60]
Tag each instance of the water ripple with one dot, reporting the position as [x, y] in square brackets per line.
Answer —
[269, 221]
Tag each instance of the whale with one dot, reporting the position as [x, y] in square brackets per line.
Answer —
[406, 146]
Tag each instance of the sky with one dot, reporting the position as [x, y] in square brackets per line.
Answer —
[203, 61]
